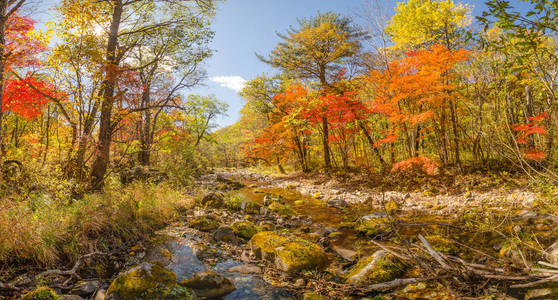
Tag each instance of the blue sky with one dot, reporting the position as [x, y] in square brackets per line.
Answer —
[245, 27]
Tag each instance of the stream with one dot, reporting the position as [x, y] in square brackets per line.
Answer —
[334, 228]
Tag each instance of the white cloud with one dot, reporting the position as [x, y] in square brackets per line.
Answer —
[235, 83]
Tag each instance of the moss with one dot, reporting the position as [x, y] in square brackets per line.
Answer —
[313, 296]
[378, 268]
[392, 207]
[148, 281]
[213, 200]
[244, 229]
[205, 223]
[281, 209]
[264, 243]
[41, 293]
[299, 254]
[372, 227]
[441, 244]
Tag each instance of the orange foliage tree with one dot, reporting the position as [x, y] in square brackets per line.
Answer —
[415, 94]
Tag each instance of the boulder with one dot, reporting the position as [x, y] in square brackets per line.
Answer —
[377, 268]
[244, 229]
[205, 223]
[300, 255]
[290, 254]
[215, 200]
[209, 285]
[148, 281]
[41, 293]
[265, 243]
[224, 234]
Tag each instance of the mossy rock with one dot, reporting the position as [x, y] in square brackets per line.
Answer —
[244, 229]
[290, 254]
[372, 227]
[213, 200]
[299, 255]
[265, 243]
[377, 268]
[443, 245]
[148, 281]
[281, 209]
[41, 293]
[251, 207]
[205, 223]
[313, 296]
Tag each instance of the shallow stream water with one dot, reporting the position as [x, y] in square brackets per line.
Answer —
[460, 228]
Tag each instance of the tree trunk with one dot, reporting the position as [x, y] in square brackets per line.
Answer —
[325, 142]
[145, 131]
[99, 168]
[455, 134]
[3, 21]
[371, 144]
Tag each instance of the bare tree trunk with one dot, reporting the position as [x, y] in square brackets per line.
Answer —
[455, 134]
[102, 158]
[3, 21]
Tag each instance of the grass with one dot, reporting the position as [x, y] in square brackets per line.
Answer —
[45, 230]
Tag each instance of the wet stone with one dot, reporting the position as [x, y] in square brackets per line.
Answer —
[337, 203]
[209, 284]
[224, 234]
[85, 288]
[246, 269]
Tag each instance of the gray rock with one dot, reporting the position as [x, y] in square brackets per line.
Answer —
[346, 253]
[224, 234]
[209, 285]
[85, 288]
[337, 203]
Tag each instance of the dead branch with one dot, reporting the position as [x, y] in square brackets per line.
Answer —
[16, 284]
[397, 283]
